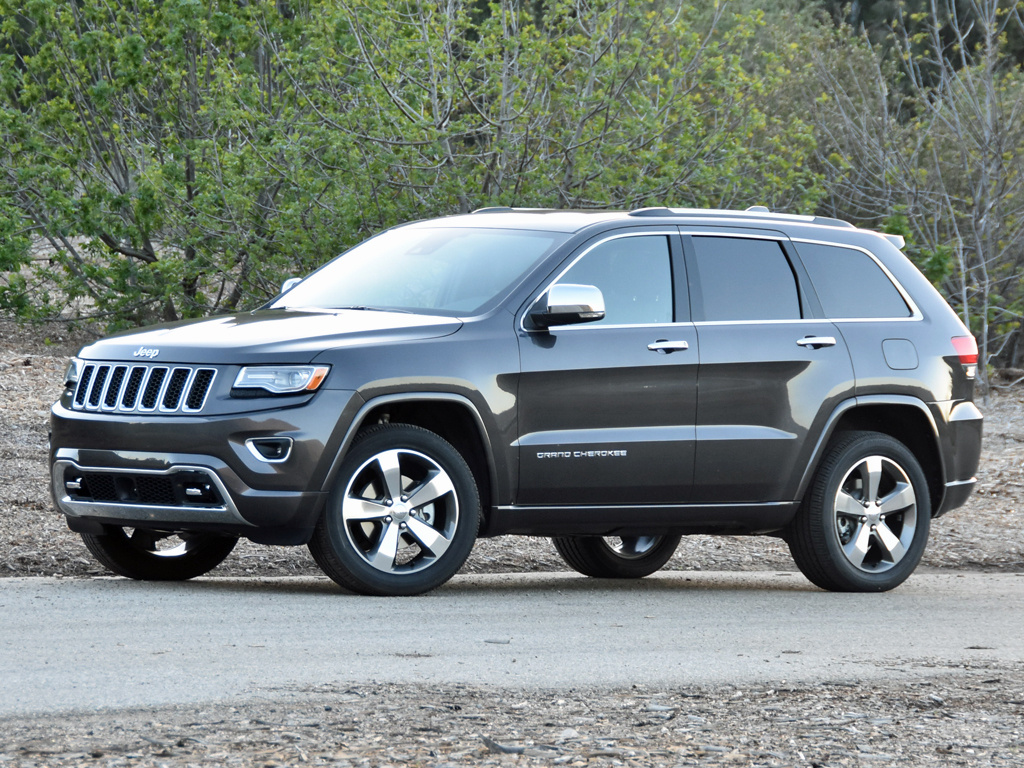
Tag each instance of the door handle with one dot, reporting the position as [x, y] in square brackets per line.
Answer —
[665, 347]
[815, 342]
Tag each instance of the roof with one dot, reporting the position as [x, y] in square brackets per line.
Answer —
[570, 221]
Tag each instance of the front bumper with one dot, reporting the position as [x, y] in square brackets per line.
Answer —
[198, 472]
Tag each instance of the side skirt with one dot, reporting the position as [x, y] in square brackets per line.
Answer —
[736, 519]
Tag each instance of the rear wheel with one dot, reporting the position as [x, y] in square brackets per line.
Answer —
[864, 522]
[148, 555]
[403, 514]
[616, 557]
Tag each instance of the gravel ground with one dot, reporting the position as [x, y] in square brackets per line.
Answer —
[976, 720]
[34, 541]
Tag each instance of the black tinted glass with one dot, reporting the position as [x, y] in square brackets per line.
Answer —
[745, 279]
[850, 284]
[635, 276]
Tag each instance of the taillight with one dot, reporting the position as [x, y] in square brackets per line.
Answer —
[967, 350]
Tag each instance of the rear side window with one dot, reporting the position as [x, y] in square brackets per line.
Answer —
[635, 276]
[745, 279]
[850, 284]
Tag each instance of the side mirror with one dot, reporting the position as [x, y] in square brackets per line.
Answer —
[290, 283]
[568, 304]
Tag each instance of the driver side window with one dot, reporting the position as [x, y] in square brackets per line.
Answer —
[635, 276]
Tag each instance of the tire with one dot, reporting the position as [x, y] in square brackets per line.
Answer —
[864, 521]
[626, 557]
[402, 516]
[146, 555]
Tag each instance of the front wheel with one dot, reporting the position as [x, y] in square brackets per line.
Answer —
[616, 557]
[148, 555]
[403, 514]
[864, 522]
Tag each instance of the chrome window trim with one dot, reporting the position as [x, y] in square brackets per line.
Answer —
[619, 326]
[915, 312]
[778, 238]
[672, 232]
[792, 321]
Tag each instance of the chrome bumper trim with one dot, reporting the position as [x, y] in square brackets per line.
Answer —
[226, 513]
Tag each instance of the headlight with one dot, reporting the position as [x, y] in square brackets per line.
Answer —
[74, 372]
[282, 379]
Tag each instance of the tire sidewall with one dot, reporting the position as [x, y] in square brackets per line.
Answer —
[331, 526]
[846, 458]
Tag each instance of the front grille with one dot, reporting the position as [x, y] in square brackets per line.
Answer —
[141, 388]
[185, 488]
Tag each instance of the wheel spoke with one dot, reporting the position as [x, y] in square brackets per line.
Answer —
[383, 556]
[898, 500]
[848, 506]
[872, 474]
[890, 543]
[429, 538]
[857, 549]
[438, 485]
[390, 470]
[363, 509]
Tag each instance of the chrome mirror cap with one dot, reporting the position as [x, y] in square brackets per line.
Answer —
[568, 304]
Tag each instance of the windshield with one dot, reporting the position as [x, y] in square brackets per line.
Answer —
[446, 271]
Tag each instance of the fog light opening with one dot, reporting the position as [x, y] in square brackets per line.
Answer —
[272, 450]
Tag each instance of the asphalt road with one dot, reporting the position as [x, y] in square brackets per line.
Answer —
[81, 644]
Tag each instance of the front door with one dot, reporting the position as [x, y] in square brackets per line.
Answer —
[606, 409]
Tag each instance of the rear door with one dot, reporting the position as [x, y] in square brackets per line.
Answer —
[771, 369]
[606, 409]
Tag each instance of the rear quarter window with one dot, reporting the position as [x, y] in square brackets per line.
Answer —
[850, 284]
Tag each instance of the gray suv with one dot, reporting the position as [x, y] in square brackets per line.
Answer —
[612, 380]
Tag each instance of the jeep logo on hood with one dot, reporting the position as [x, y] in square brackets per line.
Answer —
[146, 352]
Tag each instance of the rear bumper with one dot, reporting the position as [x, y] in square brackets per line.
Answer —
[963, 449]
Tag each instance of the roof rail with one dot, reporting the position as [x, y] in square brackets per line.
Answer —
[494, 209]
[660, 211]
[753, 212]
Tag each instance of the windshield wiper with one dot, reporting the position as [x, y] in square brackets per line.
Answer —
[362, 308]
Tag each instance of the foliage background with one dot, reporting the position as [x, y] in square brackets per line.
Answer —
[181, 157]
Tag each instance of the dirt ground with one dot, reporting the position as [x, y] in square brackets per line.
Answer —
[976, 719]
[985, 534]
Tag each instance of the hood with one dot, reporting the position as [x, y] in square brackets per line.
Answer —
[267, 336]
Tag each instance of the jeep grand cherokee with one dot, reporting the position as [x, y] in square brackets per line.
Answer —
[610, 380]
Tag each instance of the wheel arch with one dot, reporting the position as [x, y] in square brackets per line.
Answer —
[451, 416]
[902, 417]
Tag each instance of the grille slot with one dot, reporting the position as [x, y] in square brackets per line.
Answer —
[152, 391]
[131, 390]
[114, 387]
[175, 389]
[142, 388]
